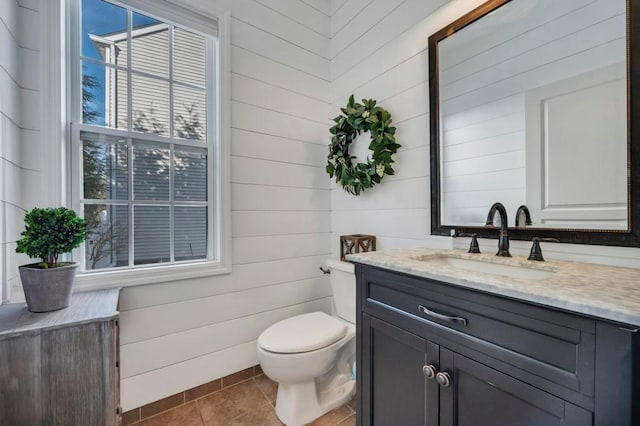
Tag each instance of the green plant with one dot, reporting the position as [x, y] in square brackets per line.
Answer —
[357, 118]
[49, 233]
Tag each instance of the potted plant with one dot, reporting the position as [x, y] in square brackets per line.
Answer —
[49, 233]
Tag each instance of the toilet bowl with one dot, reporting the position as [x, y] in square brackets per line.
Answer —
[311, 356]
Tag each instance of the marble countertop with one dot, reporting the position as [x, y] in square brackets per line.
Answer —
[606, 292]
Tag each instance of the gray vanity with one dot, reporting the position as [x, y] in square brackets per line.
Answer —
[451, 338]
[61, 367]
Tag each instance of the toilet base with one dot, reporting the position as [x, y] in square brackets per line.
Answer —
[301, 403]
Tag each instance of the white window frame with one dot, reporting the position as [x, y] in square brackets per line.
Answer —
[217, 128]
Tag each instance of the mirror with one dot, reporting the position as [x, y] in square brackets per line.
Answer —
[531, 105]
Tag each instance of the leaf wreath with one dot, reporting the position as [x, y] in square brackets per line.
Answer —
[355, 119]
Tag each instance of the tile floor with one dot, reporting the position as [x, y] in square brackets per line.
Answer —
[249, 403]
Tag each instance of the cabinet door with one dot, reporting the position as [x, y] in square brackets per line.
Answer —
[481, 396]
[395, 389]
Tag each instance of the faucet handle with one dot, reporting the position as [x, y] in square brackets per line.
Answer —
[536, 251]
[474, 247]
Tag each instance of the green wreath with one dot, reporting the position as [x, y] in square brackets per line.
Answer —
[355, 119]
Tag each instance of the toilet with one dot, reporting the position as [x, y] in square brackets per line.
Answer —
[312, 356]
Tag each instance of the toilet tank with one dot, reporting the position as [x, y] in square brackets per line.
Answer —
[343, 286]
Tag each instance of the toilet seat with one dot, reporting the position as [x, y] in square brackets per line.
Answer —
[302, 333]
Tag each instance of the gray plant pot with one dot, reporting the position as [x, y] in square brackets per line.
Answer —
[47, 289]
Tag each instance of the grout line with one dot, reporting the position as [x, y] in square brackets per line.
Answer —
[261, 391]
[198, 408]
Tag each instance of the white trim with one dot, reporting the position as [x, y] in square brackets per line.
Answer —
[148, 275]
[218, 131]
[53, 131]
[224, 137]
[175, 12]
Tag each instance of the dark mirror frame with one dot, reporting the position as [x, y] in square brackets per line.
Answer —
[627, 238]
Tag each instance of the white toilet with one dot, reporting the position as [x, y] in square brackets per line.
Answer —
[311, 355]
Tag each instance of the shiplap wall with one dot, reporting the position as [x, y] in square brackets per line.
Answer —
[19, 127]
[178, 335]
[379, 50]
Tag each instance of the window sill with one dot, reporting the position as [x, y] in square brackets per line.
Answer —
[148, 275]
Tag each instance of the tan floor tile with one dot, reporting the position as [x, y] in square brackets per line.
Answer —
[130, 417]
[228, 404]
[162, 405]
[263, 415]
[268, 386]
[353, 404]
[185, 415]
[202, 390]
[238, 377]
[333, 417]
[349, 421]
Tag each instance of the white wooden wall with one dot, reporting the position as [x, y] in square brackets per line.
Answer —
[379, 50]
[19, 127]
[178, 335]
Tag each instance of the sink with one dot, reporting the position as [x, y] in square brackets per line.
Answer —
[486, 266]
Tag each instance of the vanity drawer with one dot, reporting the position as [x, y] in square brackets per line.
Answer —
[555, 346]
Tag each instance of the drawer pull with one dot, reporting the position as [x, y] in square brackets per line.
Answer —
[447, 318]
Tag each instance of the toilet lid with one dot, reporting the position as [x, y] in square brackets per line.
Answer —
[302, 333]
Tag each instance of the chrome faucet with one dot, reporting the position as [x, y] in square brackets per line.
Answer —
[503, 240]
[523, 210]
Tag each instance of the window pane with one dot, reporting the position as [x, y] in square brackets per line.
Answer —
[150, 103]
[104, 96]
[189, 57]
[190, 113]
[151, 235]
[107, 243]
[151, 171]
[104, 167]
[150, 45]
[190, 175]
[190, 233]
[104, 27]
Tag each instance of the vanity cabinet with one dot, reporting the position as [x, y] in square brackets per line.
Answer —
[499, 361]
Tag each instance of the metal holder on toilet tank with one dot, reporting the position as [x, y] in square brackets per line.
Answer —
[356, 243]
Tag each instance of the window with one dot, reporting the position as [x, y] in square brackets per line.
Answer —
[143, 101]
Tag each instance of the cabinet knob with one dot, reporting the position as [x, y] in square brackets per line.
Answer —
[429, 371]
[443, 379]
